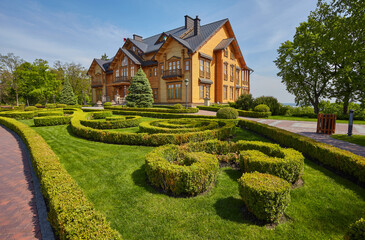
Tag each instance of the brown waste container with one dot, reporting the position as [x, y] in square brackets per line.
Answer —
[326, 123]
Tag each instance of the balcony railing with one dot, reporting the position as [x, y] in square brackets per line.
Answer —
[97, 83]
[172, 73]
[122, 79]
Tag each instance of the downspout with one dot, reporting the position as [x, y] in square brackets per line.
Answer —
[191, 78]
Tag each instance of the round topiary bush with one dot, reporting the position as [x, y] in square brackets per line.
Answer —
[30, 108]
[262, 108]
[265, 195]
[107, 104]
[178, 106]
[227, 113]
[174, 171]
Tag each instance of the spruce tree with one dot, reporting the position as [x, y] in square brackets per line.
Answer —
[67, 95]
[140, 92]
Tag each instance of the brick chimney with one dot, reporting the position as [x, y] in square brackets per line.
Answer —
[196, 26]
[137, 37]
[189, 22]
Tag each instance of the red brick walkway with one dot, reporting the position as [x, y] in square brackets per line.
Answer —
[18, 212]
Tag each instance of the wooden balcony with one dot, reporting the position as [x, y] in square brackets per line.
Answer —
[122, 79]
[170, 74]
[96, 83]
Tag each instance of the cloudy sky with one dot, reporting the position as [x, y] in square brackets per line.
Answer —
[78, 31]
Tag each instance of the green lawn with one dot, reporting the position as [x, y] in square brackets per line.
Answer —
[311, 119]
[113, 178]
[357, 139]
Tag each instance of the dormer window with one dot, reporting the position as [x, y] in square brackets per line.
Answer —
[133, 48]
[162, 38]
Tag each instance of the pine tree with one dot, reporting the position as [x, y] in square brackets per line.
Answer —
[67, 94]
[140, 92]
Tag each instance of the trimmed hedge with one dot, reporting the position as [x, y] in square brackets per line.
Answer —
[18, 115]
[179, 173]
[51, 120]
[161, 110]
[241, 113]
[262, 108]
[113, 122]
[160, 115]
[49, 113]
[227, 129]
[356, 230]
[265, 195]
[30, 108]
[341, 160]
[257, 156]
[227, 113]
[102, 114]
[71, 214]
[177, 126]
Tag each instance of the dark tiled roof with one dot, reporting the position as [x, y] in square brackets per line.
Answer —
[223, 44]
[104, 64]
[149, 63]
[132, 56]
[206, 56]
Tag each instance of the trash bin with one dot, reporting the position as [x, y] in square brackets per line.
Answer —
[326, 123]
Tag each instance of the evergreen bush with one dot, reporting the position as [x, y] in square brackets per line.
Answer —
[227, 113]
[67, 95]
[107, 104]
[140, 91]
[262, 108]
[271, 102]
[244, 102]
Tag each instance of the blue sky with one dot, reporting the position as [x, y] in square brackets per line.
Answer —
[78, 31]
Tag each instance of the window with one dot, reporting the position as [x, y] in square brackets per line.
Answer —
[126, 72]
[226, 52]
[170, 65]
[225, 71]
[238, 76]
[237, 93]
[173, 65]
[174, 91]
[117, 73]
[132, 71]
[187, 65]
[201, 91]
[124, 61]
[201, 68]
[155, 94]
[155, 71]
[177, 64]
[207, 69]
[225, 92]
[232, 55]
[150, 72]
[231, 93]
[161, 68]
[231, 73]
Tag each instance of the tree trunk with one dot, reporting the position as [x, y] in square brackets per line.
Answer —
[316, 106]
[17, 98]
[27, 102]
[345, 105]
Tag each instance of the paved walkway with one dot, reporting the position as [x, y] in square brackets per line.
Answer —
[18, 209]
[309, 129]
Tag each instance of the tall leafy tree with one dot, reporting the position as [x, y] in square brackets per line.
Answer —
[140, 91]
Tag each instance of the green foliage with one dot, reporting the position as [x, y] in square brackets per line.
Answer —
[265, 195]
[102, 114]
[17, 115]
[241, 113]
[271, 102]
[51, 120]
[174, 171]
[140, 91]
[67, 95]
[113, 122]
[178, 106]
[356, 230]
[38, 105]
[107, 104]
[262, 108]
[70, 213]
[30, 108]
[50, 113]
[244, 102]
[60, 105]
[227, 113]
[177, 126]
[51, 105]
[162, 110]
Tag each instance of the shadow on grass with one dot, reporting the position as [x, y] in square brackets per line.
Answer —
[140, 179]
[234, 174]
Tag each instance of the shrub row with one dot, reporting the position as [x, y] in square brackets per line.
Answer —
[102, 114]
[177, 126]
[341, 160]
[227, 129]
[51, 120]
[241, 113]
[179, 173]
[113, 122]
[70, 213]
[18, 115]
[356, 230]
[265, 195]
[50, 113]
[257, 156]
[161, 110]
[160, 115]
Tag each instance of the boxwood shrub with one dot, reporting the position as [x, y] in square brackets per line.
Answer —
[50, 113]
[51, 120]
[161, 110]
[177, 126]
[113, 122]
[102, 114]
[356, 230]
[227, 113]
[181, 173]
[241, 113]
[18, 115]
[70, 213]
[265, 195]
[30, 108]
[161, 115]
[262, 108]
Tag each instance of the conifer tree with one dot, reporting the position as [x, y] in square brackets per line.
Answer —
[67, 94]
[140, 92]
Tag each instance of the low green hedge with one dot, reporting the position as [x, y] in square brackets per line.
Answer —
[18, 115]
[241, 113]
[50, 113]
[70, 213]
[265, 195]
[30, 108]
[227, 113]
[51, 120]
[341, 160]
[356, 230]
[177, 126]
[113, 122]
[227, 129]
[257, 156]
[160, 110]
[180, 173]
[102, 114]
[160, 115]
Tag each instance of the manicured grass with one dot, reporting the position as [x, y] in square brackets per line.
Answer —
[113, 178]
[311, 119]
[357, 139]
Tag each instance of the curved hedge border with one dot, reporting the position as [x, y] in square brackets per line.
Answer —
[160, 110]
[180, 173]
[18, 115]
[102, 114]
[177, 126]
[241, 113]
[161, 115]
[113, 122]
[71, 214]
[341, 160]
[227, 129]
[49, 113]
[51, 120]
[265, 195]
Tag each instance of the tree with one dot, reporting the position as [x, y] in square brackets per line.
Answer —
[104, 57]
[67, 94]
[140, 92]
[9, 80]
[244, 102]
